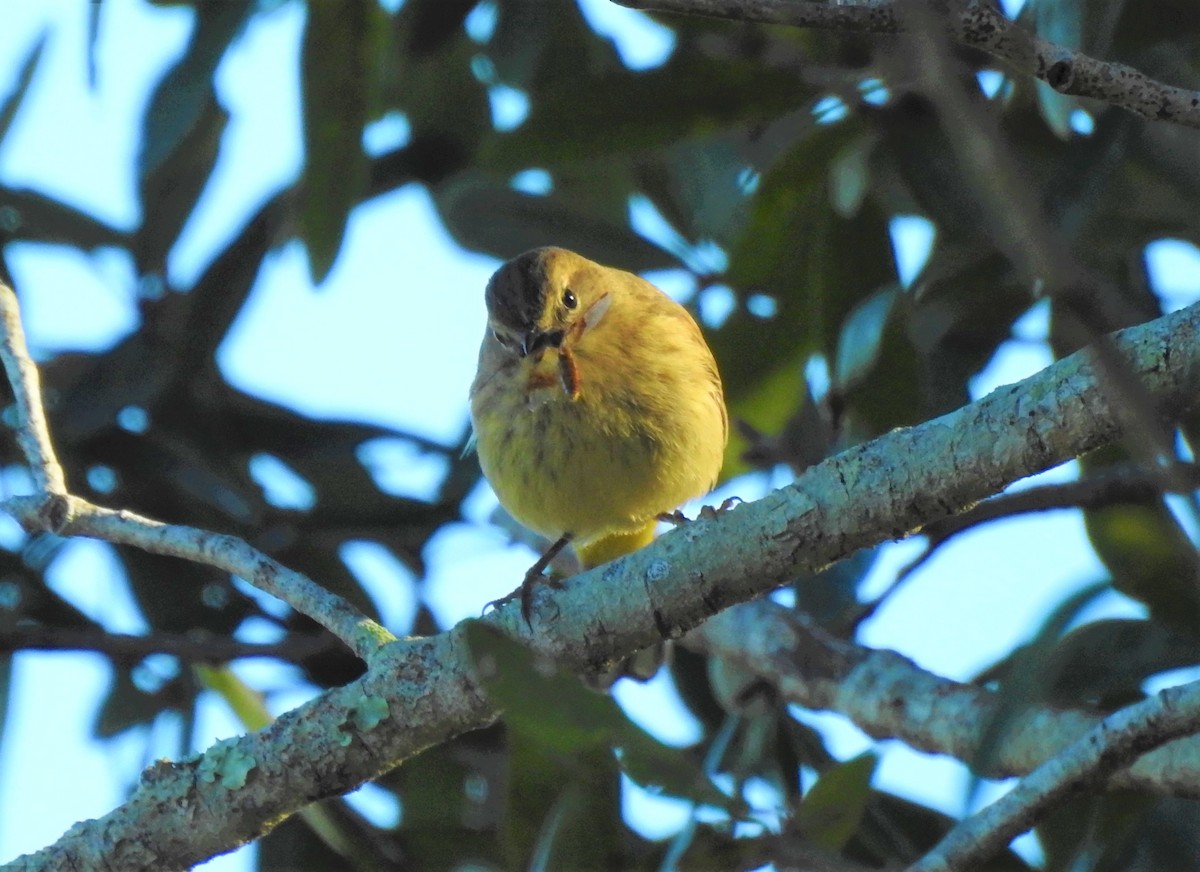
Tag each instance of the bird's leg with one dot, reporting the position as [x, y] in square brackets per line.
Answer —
[532, 577]
[678, 518]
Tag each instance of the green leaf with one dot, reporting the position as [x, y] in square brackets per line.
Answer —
[849, 176]
[1104, 664]
[455, 801]
[1151, 559]
[832, 594]
[539, 700]
[563, 812]
[555, 710]
[1023, 676]
[832, 810]
[814, 264]
[338, 63]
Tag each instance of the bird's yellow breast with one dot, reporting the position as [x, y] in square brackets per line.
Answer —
[644, 433]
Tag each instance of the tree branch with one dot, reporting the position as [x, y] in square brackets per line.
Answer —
[977, 25]
[33, 434]
[78, 517]
[1108, 746]
[418, 692]
[1113, 487]
[126, 648]
[54, 510]
[890, 697]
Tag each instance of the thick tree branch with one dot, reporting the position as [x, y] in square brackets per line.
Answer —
[890, 697]
[1111, 744]
[976, 24]
[419, 692]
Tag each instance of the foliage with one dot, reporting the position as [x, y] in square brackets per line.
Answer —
[779, 157]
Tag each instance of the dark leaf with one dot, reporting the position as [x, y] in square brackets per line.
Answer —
[488, 216]
[179, 101]
[1151, 559]
[557, 711]
[832, 809]
[31, 217]
[630, 112]
[341, 44]
[126, 705]
[832, 594]
[563, 810]
[10, 103]
[535, 51]
[1104, 664]
[170, 190]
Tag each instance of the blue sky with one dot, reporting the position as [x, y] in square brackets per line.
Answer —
[402, 296]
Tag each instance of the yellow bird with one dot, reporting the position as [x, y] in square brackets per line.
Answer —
[597, 406]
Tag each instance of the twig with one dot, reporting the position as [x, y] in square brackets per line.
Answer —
[81, 518]
[1112, 487]
[55, 510]
[978, 25]
[1110, 745]
[125, 648]
[33, 434]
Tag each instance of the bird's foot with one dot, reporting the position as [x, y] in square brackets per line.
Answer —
[524, 593]
[533, 577]
[678, 518]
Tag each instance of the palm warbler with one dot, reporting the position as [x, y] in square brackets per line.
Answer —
[597, 406]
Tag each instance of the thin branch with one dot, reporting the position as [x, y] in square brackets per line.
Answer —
[54, 510]
[125, 648]
[1112, 487]
[978, 25]
[1107, 747]
[33, 434]
[890, 697]
[82, 518]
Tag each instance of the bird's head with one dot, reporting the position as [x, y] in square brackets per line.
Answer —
[545, 298]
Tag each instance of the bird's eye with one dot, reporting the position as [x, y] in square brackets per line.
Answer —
[569, 299]
[500, 337]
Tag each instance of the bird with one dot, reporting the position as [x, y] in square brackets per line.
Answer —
[597, 407]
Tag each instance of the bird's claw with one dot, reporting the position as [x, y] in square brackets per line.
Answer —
[524, 593]
[678, 518]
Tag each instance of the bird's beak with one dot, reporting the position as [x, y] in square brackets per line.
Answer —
[537, 339]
